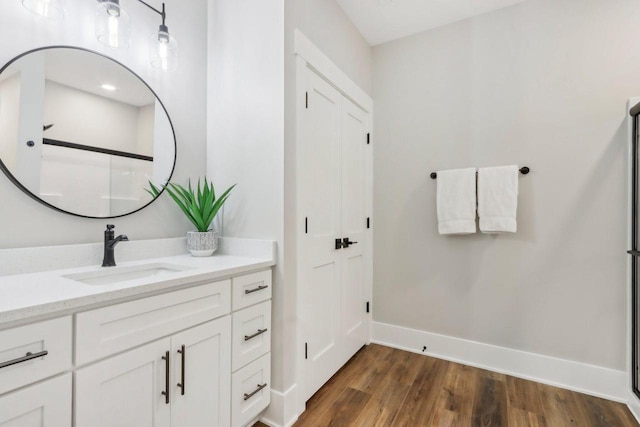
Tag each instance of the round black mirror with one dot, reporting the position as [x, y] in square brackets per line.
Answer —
[81, 133]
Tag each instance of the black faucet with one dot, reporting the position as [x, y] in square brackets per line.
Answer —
[109, 245]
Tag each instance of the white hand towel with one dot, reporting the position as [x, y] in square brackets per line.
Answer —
[456, 200]
[498, 199]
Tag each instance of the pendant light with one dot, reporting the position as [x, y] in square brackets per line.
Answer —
[50, 9]
[163, 48]
[112, 29]
[112, 24]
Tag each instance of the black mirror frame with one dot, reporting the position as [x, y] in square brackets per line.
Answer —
[17, 183]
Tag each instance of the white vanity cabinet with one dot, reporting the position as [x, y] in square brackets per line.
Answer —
[34, 352]
[152, 362]
[193, 357]
[46, 404]
[29, 354]
[124, 390]
[201, 375]
[251, 380]
[109, 330]
[179, 381]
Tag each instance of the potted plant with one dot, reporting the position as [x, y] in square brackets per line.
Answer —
[200, 207]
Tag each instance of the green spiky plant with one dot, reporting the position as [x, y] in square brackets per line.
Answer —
[199, 206]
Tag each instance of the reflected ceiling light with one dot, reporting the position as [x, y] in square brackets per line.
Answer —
[50, 9]
[108, 87]
[112, 29]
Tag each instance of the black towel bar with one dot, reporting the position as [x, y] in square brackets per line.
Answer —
[523, 170]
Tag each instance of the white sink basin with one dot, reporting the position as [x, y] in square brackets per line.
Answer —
[114, 275]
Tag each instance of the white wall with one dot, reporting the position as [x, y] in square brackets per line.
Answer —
[245, 130]
[542, 84]
[23, 222]
[329, 28]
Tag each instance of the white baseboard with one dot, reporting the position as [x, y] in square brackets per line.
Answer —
[634, 405]
[589, 379]
[282, 409]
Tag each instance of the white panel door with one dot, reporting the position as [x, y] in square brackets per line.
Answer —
[201, 365]
[333, 198]
[47, 404]
[319, 261]
[125, 390]
[354, 222]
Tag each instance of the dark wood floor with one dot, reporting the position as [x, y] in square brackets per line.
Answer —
[381, 386]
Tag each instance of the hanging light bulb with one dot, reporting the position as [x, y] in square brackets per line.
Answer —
[50, 9]
[112, 24]
[163, 50]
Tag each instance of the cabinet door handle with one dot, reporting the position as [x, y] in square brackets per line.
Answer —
[182, 351]
[259, 288]
[25, 358]
[165, 393]
[250, 395]
[260, 332]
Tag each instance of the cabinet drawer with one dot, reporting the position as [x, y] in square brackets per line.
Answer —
[251, 391]
[251, 289]
[51, 336]
[47, 404]
[112, 329]
[251, 334]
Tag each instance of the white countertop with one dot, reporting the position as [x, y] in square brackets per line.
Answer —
[35, 295]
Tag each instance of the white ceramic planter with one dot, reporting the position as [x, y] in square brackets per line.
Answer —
[202, 243]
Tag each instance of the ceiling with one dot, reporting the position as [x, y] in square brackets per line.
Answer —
[381, 21]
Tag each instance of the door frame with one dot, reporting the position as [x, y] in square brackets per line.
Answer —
[308, 56]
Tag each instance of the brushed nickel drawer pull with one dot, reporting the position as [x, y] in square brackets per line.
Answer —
[250, 395]
[260, 332]
[259, 288]
[25, 358]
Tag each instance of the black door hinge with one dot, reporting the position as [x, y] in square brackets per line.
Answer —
[306, 100]
[306, 225]
[368, 222]
[367, 306]
[306, 353]
[368, 138]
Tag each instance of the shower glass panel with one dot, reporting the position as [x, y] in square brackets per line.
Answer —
[635, 264]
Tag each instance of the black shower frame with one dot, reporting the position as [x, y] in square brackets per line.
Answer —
[634, 252]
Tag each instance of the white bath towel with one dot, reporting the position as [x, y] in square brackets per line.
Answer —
[456, 200]
[498, 199]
